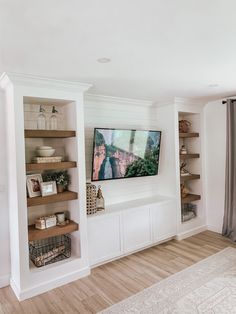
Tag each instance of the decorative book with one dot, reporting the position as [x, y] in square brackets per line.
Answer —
[39, 160]
[46, 222]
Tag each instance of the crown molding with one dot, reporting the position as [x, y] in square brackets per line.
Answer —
[119, 100]
[179, 101]
[144, 103]
[38, 81]
[189, 101]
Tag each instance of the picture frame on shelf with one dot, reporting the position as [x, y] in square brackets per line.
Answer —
[33, 184]
[48, 188]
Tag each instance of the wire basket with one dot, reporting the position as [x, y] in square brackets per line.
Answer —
[50, 250]
[91, 198]
[188, 211]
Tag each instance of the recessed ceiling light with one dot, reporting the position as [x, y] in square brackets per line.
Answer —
[213, 85]
[103, 60]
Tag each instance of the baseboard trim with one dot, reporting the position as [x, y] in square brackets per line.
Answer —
[214, 229]
[46, 286]
[119, 256]
[191, 232]
[4, 281]
[15, 288]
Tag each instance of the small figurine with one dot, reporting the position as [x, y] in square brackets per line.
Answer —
[183, 150]
[184, 191]
[183, 171]
[100, 199]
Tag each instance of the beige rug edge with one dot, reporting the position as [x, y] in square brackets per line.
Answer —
[112, 308]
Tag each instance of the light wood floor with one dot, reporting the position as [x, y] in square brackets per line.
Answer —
[115, 281]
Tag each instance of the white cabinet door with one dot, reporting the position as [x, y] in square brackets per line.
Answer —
[104, 238]
[164, 220]
[136, 228]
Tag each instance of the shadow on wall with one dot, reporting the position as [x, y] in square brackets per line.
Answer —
[4, 218]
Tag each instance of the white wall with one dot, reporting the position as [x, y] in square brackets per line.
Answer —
[215, 123]
[4, 230]
[124, 113]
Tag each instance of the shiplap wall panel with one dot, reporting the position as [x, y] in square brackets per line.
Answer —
[112, 114]
[31, 113]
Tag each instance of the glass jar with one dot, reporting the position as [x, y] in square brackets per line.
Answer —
[41, 120]
[53, 119]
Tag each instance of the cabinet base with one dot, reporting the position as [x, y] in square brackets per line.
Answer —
[189, 233]
[59, 281]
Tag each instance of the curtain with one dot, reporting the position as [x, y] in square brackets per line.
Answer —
[229, 223]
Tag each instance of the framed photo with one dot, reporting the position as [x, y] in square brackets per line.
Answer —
[48, 188]
[33, 184]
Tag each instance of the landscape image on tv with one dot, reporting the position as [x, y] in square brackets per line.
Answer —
[125, 153]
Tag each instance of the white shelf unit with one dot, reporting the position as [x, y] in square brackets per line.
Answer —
[193, 165]
[24, 92]
[168, 115]
[193, 112]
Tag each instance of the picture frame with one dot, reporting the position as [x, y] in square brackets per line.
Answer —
[48, 188]
[33, 184]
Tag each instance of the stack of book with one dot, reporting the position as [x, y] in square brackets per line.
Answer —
[39, 160]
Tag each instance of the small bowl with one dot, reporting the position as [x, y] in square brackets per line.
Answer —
[43, 147]
[45, 152]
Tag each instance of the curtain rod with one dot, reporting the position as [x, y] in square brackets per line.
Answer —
[225, 101]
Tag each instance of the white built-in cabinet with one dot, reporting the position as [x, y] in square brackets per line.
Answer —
[104, 237]
[164, 222]
[136, 228]
[23, 96]
[126, 227]
[122, 228]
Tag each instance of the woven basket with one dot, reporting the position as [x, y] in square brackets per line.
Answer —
[184, 126]
[91, 199]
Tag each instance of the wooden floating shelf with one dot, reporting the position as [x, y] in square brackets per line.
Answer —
[60, 197]
[49, 133]
[188, 156]
[51, 166]
[190, 198]
[36, 234]
[189, 177]
[188, 135]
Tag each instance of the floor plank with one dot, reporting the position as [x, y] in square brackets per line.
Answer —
[115, 281]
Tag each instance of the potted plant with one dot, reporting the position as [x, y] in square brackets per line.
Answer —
[62, 179]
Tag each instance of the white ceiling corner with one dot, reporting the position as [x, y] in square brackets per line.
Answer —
[158, 49]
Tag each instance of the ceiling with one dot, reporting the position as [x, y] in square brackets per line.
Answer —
[158, 48]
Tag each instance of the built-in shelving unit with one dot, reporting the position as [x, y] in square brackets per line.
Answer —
[60, 197]
[50, 166]
[188, 135]
[36, 234]
[190, 208]
[189, 177]
[68, 141]
[190, 198]
[189, 156]
[33, 136]
[49, 133]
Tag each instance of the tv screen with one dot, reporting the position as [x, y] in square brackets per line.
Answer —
[125, 153]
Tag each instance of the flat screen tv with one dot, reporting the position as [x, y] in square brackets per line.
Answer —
[121, 153]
